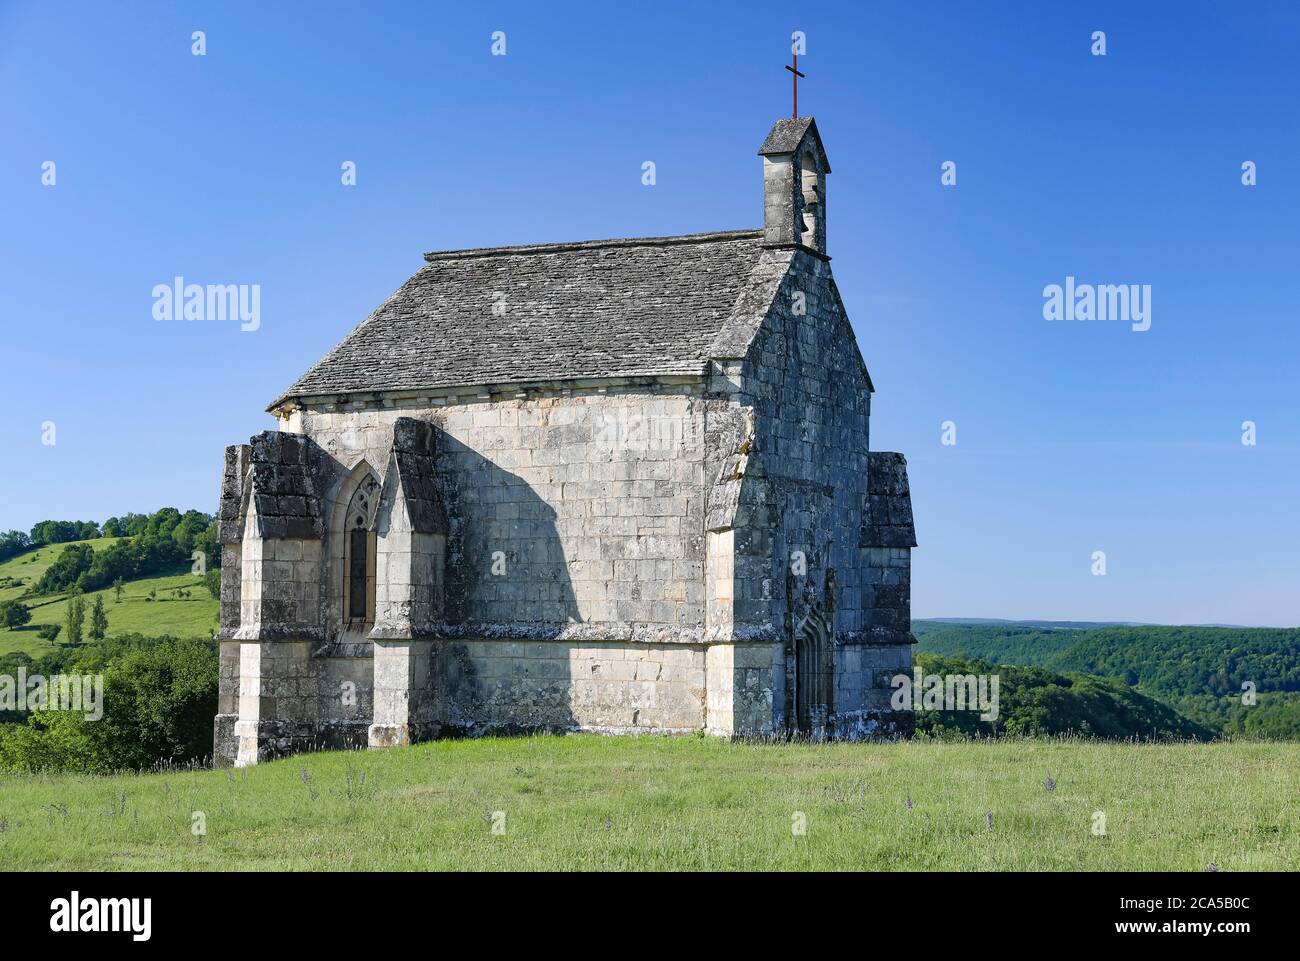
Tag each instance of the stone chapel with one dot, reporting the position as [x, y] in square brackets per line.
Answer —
[613, 486]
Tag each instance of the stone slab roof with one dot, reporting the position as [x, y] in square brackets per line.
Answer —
[414, 454]
[283, 470]
[785, 136]
[230, 527]
[596, 309]
[887, 518]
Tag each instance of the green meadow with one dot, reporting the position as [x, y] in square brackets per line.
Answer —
[588, 802]
[137, 612]
[27, 568]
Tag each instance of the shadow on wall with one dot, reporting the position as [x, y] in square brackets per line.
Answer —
[509, 596]
[507, 574]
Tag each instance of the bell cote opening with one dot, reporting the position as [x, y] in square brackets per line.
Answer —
[808, 180]
[794, 186]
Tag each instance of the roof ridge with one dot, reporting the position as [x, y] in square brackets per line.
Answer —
[551, 248]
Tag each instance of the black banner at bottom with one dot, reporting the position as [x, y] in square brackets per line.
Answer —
[141, 911]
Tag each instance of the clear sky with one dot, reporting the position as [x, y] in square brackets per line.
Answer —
[1072, 437]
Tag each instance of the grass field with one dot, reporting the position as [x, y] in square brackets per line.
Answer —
[587, 802]
[194, 616]
[29, 567]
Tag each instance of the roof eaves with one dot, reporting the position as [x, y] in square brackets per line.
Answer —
[721, 236]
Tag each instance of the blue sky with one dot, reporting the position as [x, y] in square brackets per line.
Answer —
[1072, 437]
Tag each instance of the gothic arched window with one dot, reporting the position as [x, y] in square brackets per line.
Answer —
[359, 550]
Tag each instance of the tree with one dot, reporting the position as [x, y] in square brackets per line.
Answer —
[13, 543]
[58, 532]
[117, 591]
[159, 698]
[49, 632]
[68, 566]
[14, 614]
[98, 619]
[76, 617]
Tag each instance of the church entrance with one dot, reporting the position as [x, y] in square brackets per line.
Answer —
[813, 676]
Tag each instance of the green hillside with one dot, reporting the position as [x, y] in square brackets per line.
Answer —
[18, 575]
[650, 803]
[194, 615]
[1020, 644]
[1207, 673]
[1036, 702]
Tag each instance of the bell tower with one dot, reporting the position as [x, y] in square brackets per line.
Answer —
[794, 186]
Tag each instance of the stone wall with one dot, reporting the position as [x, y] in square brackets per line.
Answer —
[279, 701]
[864, 673]
[572, 515]
[225, 744]
[807, 487]
[812, 408]
[346, 693]
[746, 689]
[280, 588]
[496, 686]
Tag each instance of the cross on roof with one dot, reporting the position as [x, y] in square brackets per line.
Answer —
[795, 78]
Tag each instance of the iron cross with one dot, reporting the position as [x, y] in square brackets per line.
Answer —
[796, 75]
